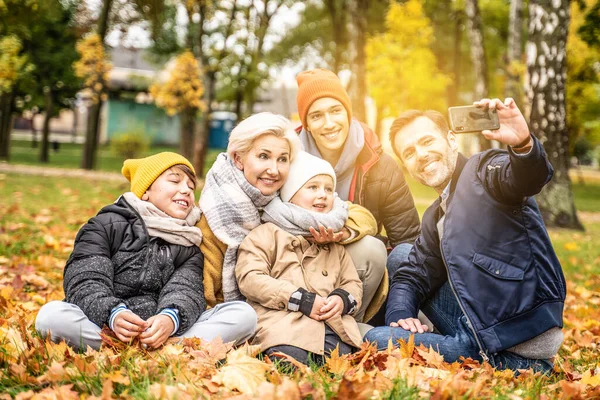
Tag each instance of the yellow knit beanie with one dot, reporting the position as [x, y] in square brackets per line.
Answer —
[142, 172]
[316, 84]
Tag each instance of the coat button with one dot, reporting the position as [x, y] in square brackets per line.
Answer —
[497, 272]
[325, 273]
[295, 243]
[281, 306]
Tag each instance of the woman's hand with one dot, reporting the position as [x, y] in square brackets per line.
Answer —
[334, 305]
[324, 236]
[128, 325]
[159, 330]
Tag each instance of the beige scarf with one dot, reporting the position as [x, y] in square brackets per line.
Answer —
[176, 231]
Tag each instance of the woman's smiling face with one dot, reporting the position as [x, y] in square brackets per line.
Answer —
[267, 164]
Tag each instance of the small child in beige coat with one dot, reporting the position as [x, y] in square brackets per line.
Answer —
[304, 293]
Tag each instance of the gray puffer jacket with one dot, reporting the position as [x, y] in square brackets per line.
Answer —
[115, 261]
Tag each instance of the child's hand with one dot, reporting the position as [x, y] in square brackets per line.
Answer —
[159, 329]
[319, 303]
[334, 305]
[128, 325]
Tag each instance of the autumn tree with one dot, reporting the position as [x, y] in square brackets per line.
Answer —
[547, 67]
[12, 66]
[182, 94]
[92, 137]
[92, 67]
[51, 48]
[402, 70]
[583, 80]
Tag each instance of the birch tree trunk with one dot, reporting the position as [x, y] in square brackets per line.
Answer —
[514, 52]
[358, 83]
[547, 67]
[478, 57]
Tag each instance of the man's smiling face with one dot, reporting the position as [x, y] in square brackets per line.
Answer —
[327, 122]
[428, 154]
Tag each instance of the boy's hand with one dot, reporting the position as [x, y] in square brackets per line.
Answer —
[334, 305]
[128, 325]
[324, 236]
[159, 329]
[319, 303]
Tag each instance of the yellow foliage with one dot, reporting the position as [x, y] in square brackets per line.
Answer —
[12, 65]
[93, 66]
[401, 68]
[184, 89]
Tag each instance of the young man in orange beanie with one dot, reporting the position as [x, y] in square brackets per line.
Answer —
[365, 174]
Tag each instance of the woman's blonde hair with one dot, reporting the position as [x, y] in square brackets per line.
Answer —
[242, 137]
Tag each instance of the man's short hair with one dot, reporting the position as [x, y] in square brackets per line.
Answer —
[407, 117]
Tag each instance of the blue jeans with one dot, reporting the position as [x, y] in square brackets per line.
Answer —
[455, 337]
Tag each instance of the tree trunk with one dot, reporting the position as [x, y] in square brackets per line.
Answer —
[478, 58]
[6, 103]
[358, 89]
[454, 89]
[513, 81]
[547, 70]
[88, 161]
[187, 133]
[339, 33]
[92, 136]
[49, 109]
[202, 142]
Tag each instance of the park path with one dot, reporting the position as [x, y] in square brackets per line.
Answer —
[62, 172]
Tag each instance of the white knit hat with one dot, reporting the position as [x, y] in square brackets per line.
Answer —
[304, 167]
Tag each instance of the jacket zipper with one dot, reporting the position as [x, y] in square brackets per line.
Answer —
[145, 266]
[481, 352]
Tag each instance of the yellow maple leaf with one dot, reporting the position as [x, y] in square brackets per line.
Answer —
[335, 364]
[590, 379]
[407, 348]
[118, 377]
[242, 372]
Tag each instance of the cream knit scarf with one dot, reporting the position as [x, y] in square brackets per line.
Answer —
[232, 207]
[297, 220]
[173, 230]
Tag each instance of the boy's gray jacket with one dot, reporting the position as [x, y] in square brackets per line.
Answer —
[115, 261]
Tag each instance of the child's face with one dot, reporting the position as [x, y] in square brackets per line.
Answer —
[316, 194]
[172, 193]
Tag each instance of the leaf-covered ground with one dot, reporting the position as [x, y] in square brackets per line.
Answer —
[38, 221]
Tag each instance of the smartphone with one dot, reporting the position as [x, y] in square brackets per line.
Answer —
[465, 119]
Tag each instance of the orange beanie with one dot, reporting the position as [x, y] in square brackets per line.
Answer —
[316, 84]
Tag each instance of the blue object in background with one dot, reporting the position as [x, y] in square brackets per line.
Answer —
[221, 124]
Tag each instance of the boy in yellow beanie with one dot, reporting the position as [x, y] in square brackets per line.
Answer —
[137, 267]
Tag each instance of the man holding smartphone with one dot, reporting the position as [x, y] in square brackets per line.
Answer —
[483, 269]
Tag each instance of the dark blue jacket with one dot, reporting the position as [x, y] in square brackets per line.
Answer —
[495, 251]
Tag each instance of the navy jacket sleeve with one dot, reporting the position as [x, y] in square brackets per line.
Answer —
[184, 290]
[511, 177]
[89, 273]
[423, 273]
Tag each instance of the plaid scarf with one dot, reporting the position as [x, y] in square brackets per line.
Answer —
[296, 220]
[232, 208]
[172, 230]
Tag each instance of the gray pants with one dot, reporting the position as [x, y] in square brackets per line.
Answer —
[233, 322]
[370, 257]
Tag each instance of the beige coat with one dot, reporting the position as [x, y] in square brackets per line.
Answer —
[273, 264]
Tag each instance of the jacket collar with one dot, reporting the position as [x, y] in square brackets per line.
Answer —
[461, 161]
[371, 151]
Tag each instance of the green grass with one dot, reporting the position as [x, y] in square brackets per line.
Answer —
[69, 155]
[587, 196]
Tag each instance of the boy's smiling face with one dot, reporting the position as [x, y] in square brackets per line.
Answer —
[172, 193]
[316, 194]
